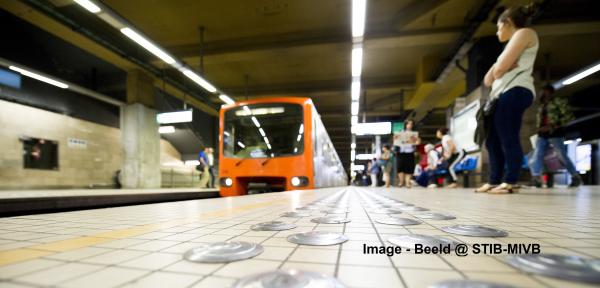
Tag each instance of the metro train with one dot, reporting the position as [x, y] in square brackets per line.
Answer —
[275, 144]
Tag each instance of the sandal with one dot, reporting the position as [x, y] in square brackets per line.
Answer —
[485, 188]
[505, 188]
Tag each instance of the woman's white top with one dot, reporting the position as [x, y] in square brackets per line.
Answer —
[446, 144]
[525, 79]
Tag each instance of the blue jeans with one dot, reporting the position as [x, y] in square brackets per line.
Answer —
[503, 141]
[541, 147]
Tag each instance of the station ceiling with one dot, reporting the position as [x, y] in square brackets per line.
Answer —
[302, 48]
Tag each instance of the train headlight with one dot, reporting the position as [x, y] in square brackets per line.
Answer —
[299, 181]
[226, 182]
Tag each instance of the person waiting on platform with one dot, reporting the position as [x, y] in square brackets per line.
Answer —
[387, 164]
[553, 114]
[428, 178]
[405, 159]
[211, 164]
[205, 176]
[374, 172]
[451, 154]
[512, 92]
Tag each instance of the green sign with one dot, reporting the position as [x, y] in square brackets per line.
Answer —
[397, 127]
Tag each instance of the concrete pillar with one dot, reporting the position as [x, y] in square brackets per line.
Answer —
[140, 137]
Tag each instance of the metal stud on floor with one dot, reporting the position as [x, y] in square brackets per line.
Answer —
[398, 221]
[409, 241]
[572, 268]
[273, 226]
[412, 208]
[475, 230]
[317, 238]
[223, 252]
[335, 211]
[331, 220]
[288, 279]
[435, 216]
[294, 215]
[469, 284]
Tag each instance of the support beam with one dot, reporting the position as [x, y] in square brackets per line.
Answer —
[414, 11]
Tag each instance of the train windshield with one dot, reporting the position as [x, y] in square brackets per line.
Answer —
[263, 131]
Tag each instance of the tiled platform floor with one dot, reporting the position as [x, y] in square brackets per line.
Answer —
[142, 246]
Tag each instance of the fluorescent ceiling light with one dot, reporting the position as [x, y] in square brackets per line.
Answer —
[39, 77]
[365, 156]
[226, 133]
[355, 167]
[354, 120]
[247, 109]
[262, 132]
[227, 99]
[301, 130]
[255, 122]
[359, 11]
[587, 72]
[199, 80]
[192, 163]
[353, 146]
[266, 140]
[357, 56]
[374, 128]
[354, 108]
[241, 144]
[139, 39]
[299, 137]
[269, 146]
[355, 90]
[174, 117]
[88, 5]
[352, 155]
[166, 129]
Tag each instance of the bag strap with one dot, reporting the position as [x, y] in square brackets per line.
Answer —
[508, 83]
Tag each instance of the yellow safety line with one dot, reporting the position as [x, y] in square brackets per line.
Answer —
[41, 250]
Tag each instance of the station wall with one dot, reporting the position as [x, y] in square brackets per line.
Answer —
[94, 163]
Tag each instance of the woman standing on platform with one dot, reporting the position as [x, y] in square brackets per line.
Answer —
[387, 164]
[405, 162]
[513, 92]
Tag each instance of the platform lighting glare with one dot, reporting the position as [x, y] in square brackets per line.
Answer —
[353, 146]
[299, 137]
[359, 11]
[357, 56]
[255, 122]
[226, 133]
[241, 144]
[39, 77]
[262, 132]
[139, 39]
[199, 80]
[301, 129]
[581, 75]
[174, 117]
[166, 129]
[266, 140]
[89, 5]
[227, 99]
[269, 146]
[354, 120]
[296, 150]
[355, 90]
[352, 155]
[354, 108]
[192, 163]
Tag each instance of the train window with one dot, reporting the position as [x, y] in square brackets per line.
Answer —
[264, 130]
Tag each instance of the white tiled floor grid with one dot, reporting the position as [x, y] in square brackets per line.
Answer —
[142, 246]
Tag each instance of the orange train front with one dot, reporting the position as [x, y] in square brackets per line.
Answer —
[275, 144]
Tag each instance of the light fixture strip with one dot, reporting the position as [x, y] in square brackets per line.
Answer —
[580, 75]
[359, 11]
[357, 58]
[148, 45]
[39, 77]
[228, 99]
[89, 5]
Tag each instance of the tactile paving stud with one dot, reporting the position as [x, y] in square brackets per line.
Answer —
[469, 284]
[412, 208]
[335, 211]
[294, 215]
[385, 211]
[331, 220]
[435, 216]
[223, 252]
[398, 221]
[409, 241]
[475, 230]
[317, 238]
[572, 268]
[307, 207]
[273, 226]
[288, 279]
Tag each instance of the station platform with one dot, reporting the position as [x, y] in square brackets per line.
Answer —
[24, 202]
[143, 245]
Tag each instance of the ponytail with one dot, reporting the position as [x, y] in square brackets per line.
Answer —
[520, 16]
